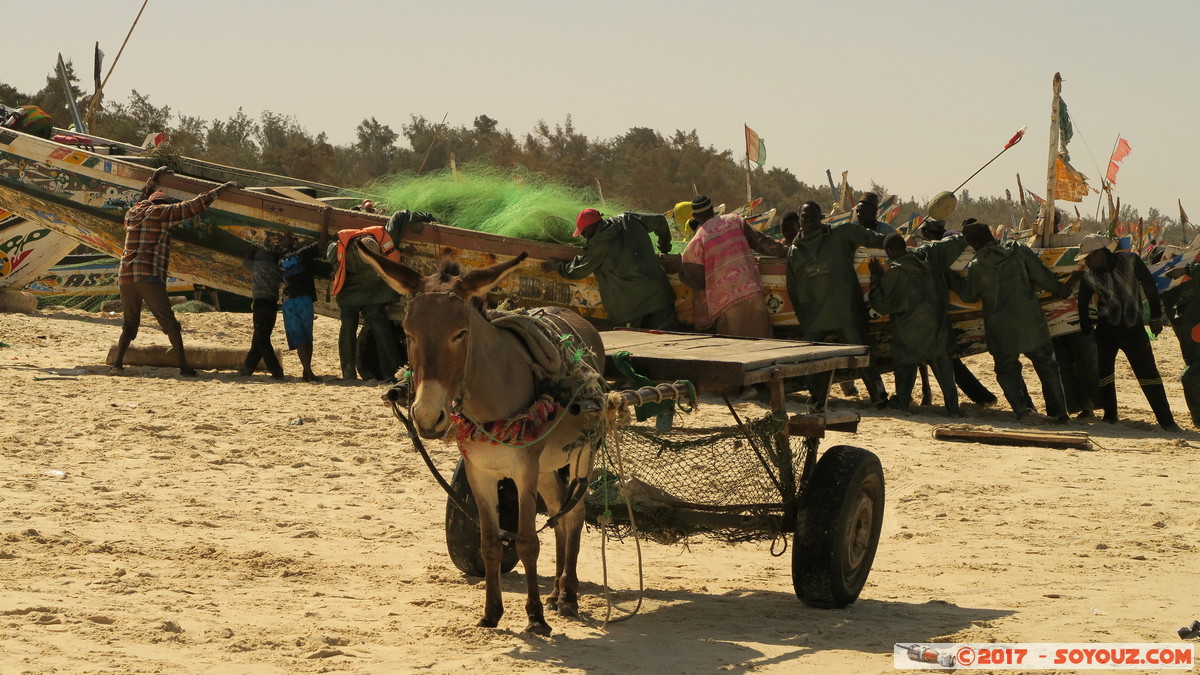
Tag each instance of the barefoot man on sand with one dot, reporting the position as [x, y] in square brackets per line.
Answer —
[142, 277]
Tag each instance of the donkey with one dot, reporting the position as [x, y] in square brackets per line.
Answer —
[455, 352]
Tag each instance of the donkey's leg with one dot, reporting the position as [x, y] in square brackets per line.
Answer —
[527, 542]
[550, 487]
[487, 499]
[569, 533]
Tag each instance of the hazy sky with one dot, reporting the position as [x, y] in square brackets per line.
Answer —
[913, 94]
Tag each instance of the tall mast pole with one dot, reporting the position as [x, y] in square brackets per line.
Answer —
[749, 194]
[1051, 169]
[1021, 194]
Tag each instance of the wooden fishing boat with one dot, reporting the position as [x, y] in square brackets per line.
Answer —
[82, 191]
[27, 250]
[87, 275]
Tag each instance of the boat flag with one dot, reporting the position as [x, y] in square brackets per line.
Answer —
[98, 60]
[845, 202]
[756, 148]
[1066, 131]
[1069, 185]
[1122, 151]
[1183, 220]
[1114, 163]
[890, 214]
[1016, 138]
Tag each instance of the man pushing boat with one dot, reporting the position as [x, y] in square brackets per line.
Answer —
[142, 276]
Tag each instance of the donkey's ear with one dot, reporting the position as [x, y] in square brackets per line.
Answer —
[403, 278]
[477, 283]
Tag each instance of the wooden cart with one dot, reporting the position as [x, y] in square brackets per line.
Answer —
[831, 506]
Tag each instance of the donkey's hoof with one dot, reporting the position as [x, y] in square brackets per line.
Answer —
[551, 602]
[485, 622]
[568, 608]
[538, 627]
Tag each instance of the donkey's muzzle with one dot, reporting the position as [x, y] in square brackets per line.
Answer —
[438, 429]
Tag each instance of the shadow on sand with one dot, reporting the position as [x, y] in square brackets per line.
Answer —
[690, 632]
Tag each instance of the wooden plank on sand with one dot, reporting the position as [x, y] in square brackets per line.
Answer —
[1078, 440]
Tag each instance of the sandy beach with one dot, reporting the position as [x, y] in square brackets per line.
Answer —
[153, 524]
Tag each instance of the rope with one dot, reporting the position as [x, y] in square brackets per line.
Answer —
[99, 92]
[606, 517]
[416, 440]
[750, 439]
[577, 488]
[549, 429]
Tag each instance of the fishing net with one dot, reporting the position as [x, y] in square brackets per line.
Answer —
[86, 303]
[708, 481]
[510, 202]
[194, 307]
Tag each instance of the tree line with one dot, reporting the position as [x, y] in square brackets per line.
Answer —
[641, 167]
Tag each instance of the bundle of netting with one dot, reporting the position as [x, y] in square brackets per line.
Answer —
[509, 202]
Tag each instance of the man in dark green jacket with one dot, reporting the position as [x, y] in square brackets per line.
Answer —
[1121, 284]
[1006, 278]
[915, 295]
[633, 285]
[1182, 305]
[823, 287]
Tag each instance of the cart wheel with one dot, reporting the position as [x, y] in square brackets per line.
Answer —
[837, 527]
[462, 534]
[366, 354]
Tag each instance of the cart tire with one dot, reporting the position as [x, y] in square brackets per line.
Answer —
[366, 354]
[838, 522]
[462, 533]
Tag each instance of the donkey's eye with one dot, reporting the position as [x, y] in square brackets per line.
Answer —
[459, 336]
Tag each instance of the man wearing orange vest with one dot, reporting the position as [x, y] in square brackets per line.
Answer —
[360, 292]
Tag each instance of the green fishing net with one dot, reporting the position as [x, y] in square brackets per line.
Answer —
[513, 202]
[87, 303]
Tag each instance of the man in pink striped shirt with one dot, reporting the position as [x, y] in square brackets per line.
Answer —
[719, 264]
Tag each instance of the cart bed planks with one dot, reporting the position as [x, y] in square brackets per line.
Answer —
[715, 363]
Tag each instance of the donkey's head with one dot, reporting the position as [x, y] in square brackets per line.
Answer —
[437, 325]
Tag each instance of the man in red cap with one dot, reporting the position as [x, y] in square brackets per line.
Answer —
[142, 276]
[633, 286]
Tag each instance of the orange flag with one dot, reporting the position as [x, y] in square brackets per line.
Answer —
[1114, 163]
[1069, 184]
[1122, 150]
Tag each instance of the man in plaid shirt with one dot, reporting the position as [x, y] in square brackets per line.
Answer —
[142, 277]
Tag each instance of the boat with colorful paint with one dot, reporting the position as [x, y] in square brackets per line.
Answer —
[28, 250]
[83, 193]
[87, 275]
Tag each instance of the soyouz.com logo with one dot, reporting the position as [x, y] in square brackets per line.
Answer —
[1042, 655]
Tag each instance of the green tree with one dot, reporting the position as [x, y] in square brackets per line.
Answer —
[131, 122]
[376, 147]
[231, 141]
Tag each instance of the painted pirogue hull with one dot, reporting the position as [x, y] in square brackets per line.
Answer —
[84, 196]
[27, 250]
[91, 277]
